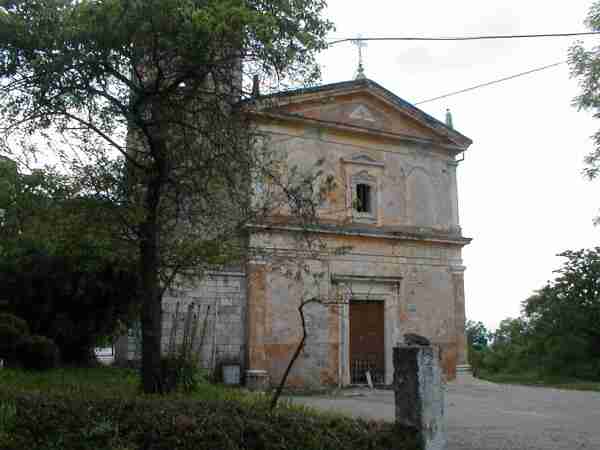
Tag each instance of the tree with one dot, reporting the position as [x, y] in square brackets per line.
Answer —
[584, 66]
[557, 332]
[509, 350]
[308, 268]
[563, 316]
[62, 267]
[151, 89]
[477, 335]
[75, 302]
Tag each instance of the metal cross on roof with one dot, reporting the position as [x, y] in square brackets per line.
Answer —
[360, 44]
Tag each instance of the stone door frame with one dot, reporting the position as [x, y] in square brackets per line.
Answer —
[386, 289]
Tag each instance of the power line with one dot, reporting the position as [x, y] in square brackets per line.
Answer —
[462, 38]
[489, 83]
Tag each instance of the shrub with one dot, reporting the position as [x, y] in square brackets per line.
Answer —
[75, 301]
[179, 373]
[38, 353]
[16, 322]
[103, 422]
[476, 360]
[9, 339]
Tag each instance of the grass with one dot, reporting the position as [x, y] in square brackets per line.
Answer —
[535, 379]
[110, 381]
[73, 380]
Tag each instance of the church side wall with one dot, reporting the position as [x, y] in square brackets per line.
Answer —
[215, 306]
[218, 305]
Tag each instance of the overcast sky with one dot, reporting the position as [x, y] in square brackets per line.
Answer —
[522, 196]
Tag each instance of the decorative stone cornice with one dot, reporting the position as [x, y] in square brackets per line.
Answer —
[337, 278]
[370, 233]
[363, 162]
[289, 117]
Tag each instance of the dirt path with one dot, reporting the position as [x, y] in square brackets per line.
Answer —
[488, 416]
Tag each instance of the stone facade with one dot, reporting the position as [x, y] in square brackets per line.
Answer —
[420, 285]
[403, 245]
[404, 249]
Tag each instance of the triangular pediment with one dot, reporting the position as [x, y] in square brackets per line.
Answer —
[362, 105]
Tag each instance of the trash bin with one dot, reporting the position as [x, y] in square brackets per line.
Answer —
[231, 374]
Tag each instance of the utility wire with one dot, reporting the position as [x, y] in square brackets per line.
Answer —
[462, 38]
[489, 83]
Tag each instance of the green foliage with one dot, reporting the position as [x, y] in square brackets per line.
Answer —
[8, 412]
[180, 373]
[475, 360]
[535, 378]
[564, 315]
[179, 368]
[477, 341]
[63, 267]
[8, 415]
[55, 214]
[12, 330]
[9, 340]
[74, 301]
[103, 419]
[477, 334]
[73, 381]
[15, 322]
[38, 353]
[558, 332]
[157, 83]
[584, 66]
[510, 349]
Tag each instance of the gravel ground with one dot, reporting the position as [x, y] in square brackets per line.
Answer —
[489, 416]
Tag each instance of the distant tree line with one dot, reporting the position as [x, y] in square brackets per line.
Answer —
[558, 331]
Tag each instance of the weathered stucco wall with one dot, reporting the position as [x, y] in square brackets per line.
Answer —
[415, 183]
[418, 278]
[415, 281]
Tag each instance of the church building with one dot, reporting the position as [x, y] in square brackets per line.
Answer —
[395, 211]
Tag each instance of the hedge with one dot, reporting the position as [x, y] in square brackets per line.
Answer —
[16, 322]
[37, 353]
[38, 421]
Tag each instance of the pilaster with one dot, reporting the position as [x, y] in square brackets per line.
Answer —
[256, 314]
[458, 284]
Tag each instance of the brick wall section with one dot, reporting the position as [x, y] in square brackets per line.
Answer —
[219, 307]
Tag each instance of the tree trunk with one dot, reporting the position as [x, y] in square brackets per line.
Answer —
[151, 307]
[299, 348]
[151, 292]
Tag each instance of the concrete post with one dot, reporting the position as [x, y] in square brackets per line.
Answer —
[122, 350]
[419, 394]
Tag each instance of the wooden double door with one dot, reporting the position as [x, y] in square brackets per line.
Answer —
[367, 341]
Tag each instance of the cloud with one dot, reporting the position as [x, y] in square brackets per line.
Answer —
[433, 56]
